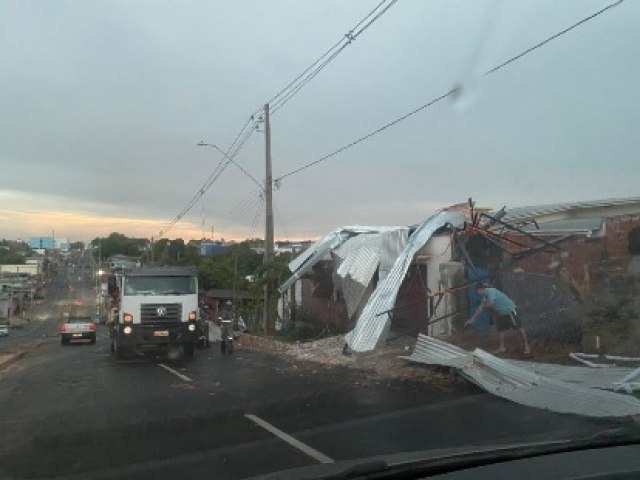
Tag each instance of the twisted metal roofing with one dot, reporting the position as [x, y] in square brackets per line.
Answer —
[571, 391]
[373, 325]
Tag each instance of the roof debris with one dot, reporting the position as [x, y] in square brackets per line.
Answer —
[562, 389]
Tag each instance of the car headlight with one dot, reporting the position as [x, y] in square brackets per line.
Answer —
[192, 327]
[126, 330]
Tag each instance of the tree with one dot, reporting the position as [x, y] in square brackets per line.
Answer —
[175, 252]
[117, 243]
[8, 257]
[230, 267]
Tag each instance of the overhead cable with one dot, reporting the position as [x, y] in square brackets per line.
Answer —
[287, 93]
[453, 92]
[237, 145]
[256, 218]
[279, 100]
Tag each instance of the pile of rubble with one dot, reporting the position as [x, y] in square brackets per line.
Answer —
[328, 352]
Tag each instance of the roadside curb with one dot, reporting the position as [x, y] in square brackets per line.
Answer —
[12, 357]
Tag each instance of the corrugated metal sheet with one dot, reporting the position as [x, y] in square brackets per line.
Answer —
[603, 378]
[560, 211]
[371, 328]
[312, 255]
[355, 273]
[360, 265]
[526, 386]
[431, 351]
[321, 249]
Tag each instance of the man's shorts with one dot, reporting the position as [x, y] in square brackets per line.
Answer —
[505, 322]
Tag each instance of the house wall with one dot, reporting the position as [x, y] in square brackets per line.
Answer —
[581, 253]
[410, 313]
[617, 234]
[327, 310]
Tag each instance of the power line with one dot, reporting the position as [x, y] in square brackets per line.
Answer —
[240, 209]
[310, 73]
[256, 218]
[453, 92]
[325, 54]
[235, 148]
[553, 37]
[289, 92]
[240, 167]
[280, 220]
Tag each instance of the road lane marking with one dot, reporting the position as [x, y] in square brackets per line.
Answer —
[176, 373]
[294, 442]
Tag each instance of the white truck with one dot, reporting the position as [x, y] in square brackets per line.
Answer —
[155, 307]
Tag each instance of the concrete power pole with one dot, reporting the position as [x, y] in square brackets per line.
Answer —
[269, 320]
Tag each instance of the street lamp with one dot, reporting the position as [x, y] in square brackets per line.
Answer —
[212, 145]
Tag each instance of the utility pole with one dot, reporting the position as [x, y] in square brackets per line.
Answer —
[235, 275]
[269, 320]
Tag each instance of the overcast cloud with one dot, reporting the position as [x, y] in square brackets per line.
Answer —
[102, 105]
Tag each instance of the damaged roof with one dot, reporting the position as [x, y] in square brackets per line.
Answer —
[569, 210]
[358, 252]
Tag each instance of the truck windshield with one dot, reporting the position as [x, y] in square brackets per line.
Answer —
[159, 285]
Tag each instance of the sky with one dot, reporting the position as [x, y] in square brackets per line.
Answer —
[102, 104]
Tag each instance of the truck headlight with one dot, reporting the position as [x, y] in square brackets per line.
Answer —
[126, 330]
[127, 318]
[193, 316]
[192, 327]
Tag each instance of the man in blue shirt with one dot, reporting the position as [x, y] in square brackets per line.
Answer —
[505, 313]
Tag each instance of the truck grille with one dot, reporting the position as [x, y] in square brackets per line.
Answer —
[160, 313]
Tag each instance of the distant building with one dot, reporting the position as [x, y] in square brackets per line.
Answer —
[61, 244]
[210, 249]
[119, 261]
[285, 247]
[42, 243]
[25, 269]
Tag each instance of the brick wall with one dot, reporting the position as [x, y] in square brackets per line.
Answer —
[581, 253]
[327, 310]
[617, 234]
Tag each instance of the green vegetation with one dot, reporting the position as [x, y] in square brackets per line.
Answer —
[117, 243]
[12, 252]
[233, 265]
[8, 257]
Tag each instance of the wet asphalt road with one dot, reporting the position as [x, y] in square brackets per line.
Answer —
[74, 412]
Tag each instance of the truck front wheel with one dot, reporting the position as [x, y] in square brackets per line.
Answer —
[119, 351]
[188, 350]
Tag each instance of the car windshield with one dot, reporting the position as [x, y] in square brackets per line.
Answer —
[244, 237]
[164, 285]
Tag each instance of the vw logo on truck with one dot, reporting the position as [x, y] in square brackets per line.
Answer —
[161, 311]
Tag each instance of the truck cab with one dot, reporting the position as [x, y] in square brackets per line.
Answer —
[154, 308]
